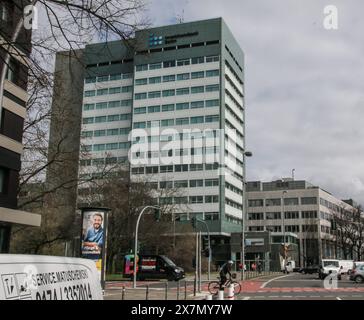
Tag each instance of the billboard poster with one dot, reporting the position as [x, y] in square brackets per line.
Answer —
[93, 238]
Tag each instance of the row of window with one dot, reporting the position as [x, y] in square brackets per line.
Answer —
[103, 161]
[107, 104]
[109, 77]
[175, 168]
[109, 118]
[287, 228]
[178, 106]
[105, 132]
[175, 152]
[287, 215]
[190, 200]
[155, 41]
[235, 88]
[177, 121]
[174, 63]
[330, 205]
[207, 216]
[287, 202]
[187, 183]
[176, 92]
[106, 146]
[106, 91]
[178, 77]
[232, 56]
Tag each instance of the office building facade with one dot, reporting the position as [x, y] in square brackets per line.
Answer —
[169, 104]
[298, 207]
[13, 112]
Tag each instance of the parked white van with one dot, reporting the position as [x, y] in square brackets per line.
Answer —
[346, 266]
[329, 266]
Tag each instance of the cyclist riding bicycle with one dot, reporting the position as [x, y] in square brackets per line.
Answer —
[224, 271]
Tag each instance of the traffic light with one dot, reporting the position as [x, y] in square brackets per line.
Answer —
[157, 214]
[194, 222]
[205, 242]
[206, 252]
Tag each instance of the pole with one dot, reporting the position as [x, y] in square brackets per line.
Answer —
[245, 212]
[284, 232]
[199, 261]
[136, 242]
[209, 262]
[196, 265]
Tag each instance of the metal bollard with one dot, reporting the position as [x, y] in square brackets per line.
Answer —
[194, 287]
[178, 287]
[209, 297]
[230, 292]
[166, 294]
[221, 295]
[147, 293]
[185, 290]
[123, 294]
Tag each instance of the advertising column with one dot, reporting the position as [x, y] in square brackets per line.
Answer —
[93, 238]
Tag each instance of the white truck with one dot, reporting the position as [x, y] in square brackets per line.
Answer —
[346, 266]
[329, 266]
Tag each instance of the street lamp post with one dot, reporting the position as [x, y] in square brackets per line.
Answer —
[136, 241]
[284, 231]
[245, 212]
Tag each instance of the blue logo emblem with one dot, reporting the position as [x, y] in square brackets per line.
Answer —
[155, 40]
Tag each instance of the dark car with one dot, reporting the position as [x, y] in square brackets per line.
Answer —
[158, 267]
[310, 269]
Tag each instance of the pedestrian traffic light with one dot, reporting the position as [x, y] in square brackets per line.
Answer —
[205, 242]
[157, 214]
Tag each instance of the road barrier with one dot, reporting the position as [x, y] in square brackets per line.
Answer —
[220, 295]
[230, 295]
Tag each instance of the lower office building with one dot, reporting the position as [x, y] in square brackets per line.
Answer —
[297, 207]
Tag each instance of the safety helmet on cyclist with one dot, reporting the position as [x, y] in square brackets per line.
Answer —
[230, 262]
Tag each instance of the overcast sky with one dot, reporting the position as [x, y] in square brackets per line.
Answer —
[304, 86]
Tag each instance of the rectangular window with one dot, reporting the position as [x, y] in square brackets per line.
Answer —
[154, 80]
[127, 75]
[196, 199]
[291, 201]
[140, 96]
[102, 92]
[212, 103]
[154, 94]
[197, 104]
[169, 93]
[182, 106]
[90, 93]
[125, 116]
[182, 121]
[114, 104]
[212, 58]
[152, 170]
[124, 130]
[169, 78]
[273, 215]
[87, 134]
[182, 91]
[126, 103]
[197, 75]
[213, 118]
[141, 67]
[167, 122]
[167, 107]
[256, 203]
[212, 88]
[256, 216]
[199, 89]
[211, 199]
[154, 66]
[87, 120]
[113, 117]
[99, 133]
[114, 77]
[124, 145]
[153, 109]
[291, 215]
[198, 60]
[183, 62]
[137, 170]
[101, 105]
[140, 110]
[88, 106]
[141, 82]
[166, 184]
[169, 64]
[308, 200]
[98, 147]
[183, 76]
[103, 78]
[139, 125]
[181, 168]
[112, 146]
[90, 80]
[196, 167]
[181, 184]
[195, 120]
[211, 182]
[112, 132]
[212, 73]
[100, 119]
[272, 202]
[165, 169]
[127, 89]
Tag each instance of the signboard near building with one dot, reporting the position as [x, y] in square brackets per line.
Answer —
[33, 277]
[93, 238]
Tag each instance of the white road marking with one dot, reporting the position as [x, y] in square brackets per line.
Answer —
[265, 283]
[338, 298]
[246, 298]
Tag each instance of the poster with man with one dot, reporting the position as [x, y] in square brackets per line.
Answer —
[94, 237]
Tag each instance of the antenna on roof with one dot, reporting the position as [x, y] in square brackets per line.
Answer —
[293, 170]
[181, 17]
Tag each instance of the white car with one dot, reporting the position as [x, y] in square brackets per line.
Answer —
[329, 266]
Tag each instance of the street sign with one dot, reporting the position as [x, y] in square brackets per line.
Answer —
[32, 277]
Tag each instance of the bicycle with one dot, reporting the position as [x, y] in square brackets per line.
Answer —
[214, 286]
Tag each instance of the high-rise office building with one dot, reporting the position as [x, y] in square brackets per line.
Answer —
[170, 104]
[13, 111]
